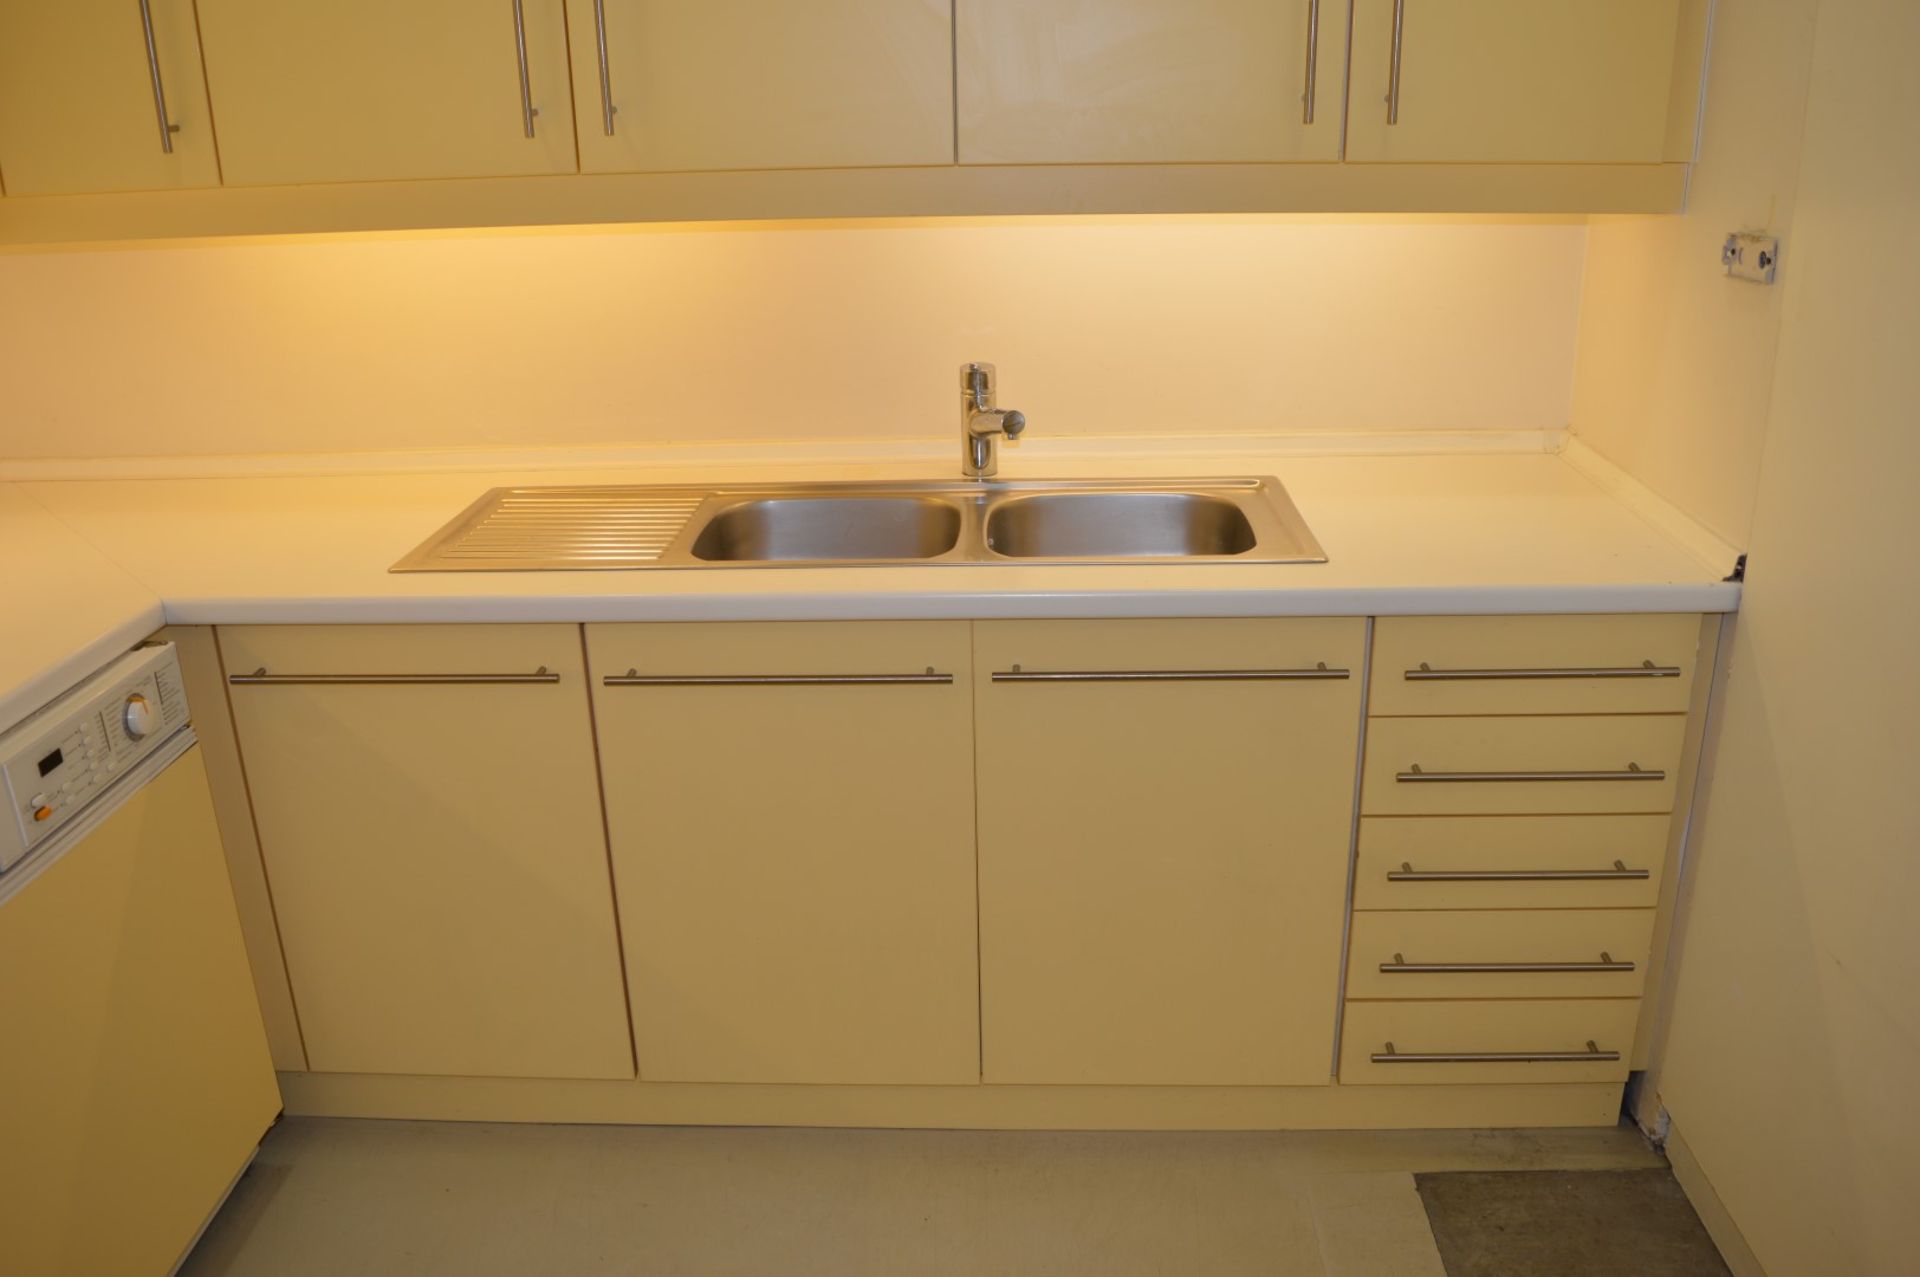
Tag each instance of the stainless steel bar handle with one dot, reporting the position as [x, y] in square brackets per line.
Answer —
[607, 107]
[1407, 873]
[1417, 776]
[1313, 60]
[260, 678]
[527, 108]
[1393, 67]
[1646, 669]
[1400, 966]
[167, 127]
[1592, 1055]
[1317, 673]
[634, 678]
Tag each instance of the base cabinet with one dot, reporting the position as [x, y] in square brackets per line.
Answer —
[431, 833]
[1146, 873]
[791, 809]
[1164, 814]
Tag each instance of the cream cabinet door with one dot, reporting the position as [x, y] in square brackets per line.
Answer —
[791, 807]
[80, 97]
[665, 85]
[1149, 81]
[430, 823]
[382, 90]
[1163, 860]
[1516, 81]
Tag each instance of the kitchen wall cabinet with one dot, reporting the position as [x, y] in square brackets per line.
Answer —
[385, 90]
[431, 831]
[1163, 859]
[419, 114]
[78, 105]
[1518, 81]
[754, 84]
[1149, 81]
[793, 843]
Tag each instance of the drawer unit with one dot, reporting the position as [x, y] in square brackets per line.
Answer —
[1510, 862]
[1533, 664]
[1522, 766]
[1513, 953]
[1580, 1040]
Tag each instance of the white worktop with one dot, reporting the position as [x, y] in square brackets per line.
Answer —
[103, 560]
[68, 608]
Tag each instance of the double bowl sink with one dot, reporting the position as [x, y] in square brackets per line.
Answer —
[1239, 520]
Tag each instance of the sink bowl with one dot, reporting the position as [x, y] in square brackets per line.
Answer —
[1119, 525]
[789, 529]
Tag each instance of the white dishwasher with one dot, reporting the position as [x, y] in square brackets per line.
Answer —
[135, 1082]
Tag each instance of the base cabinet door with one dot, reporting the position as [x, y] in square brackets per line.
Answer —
[387, 90]
[668, 86]
[1519, 81]
[791, 809]
[82, 87]
[430, 825]
[1164, 829]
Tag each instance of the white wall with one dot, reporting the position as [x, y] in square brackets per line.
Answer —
[1795, 1044]
[1145, 326]
[1675, 366]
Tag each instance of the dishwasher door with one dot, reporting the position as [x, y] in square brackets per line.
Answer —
[134, 1077]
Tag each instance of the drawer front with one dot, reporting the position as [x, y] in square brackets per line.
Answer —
[1522, 766]
[1510, 862]
[1512, 953]
[1533, 664]
[1487, 1042]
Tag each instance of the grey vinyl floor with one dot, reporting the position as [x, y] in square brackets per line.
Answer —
[336, 1198]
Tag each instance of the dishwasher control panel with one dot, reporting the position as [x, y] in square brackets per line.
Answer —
[56, 763]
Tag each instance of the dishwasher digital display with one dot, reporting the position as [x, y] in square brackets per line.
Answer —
[52, 761]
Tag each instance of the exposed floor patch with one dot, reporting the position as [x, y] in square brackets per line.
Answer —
[1621, 1223]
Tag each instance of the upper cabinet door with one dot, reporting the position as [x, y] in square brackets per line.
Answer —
[665, 85]
[379, 90]
[82, 88]
[1150, 81]
[1516, 81]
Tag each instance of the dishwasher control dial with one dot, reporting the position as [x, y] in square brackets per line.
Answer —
[137, 717]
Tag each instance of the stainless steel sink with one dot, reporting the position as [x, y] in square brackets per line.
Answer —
[829, 529]
[1130, 525]
[932, 522]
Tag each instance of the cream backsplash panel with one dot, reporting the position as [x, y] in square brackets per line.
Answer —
[705, 334]
[1675, 359]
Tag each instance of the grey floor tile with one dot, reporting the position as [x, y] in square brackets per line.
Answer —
[367, 1199]
[1372, 1224]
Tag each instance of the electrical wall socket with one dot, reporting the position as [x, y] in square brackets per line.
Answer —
[1751, 256]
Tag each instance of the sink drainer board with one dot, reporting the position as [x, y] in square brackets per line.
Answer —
[917, 523]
